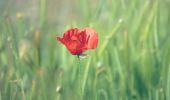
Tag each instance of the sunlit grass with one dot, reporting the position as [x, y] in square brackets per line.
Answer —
[132, 61]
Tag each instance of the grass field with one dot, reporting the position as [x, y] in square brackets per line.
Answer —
[132, 61]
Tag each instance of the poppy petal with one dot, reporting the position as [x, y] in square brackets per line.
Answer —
[92, 38]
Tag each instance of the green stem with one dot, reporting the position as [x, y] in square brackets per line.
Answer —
[79, 77]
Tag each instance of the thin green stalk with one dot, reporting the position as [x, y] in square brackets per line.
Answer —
[0, 95]
[42, 12]
[79, 78]
[168, 84]
[85, 75]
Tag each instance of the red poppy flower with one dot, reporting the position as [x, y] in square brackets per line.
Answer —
[78, 41]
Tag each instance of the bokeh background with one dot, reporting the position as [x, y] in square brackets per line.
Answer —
[132, 61]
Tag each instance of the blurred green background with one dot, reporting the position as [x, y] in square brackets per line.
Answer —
[132, 61]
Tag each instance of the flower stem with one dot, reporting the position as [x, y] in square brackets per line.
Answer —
[79, 78]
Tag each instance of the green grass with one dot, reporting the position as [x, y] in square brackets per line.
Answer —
[132, 61]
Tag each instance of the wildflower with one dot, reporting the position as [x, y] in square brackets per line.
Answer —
[78, 41]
